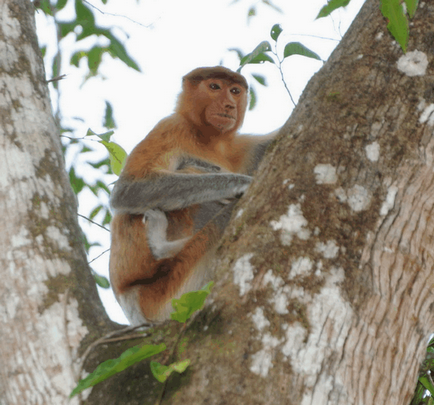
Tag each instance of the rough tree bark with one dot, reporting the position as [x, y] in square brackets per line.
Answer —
[323, 283]
[48, 300]
[324, 279]
[330, 255]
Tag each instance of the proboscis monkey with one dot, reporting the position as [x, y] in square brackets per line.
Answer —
[176, 193]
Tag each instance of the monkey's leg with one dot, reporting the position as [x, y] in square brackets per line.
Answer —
[189, 270]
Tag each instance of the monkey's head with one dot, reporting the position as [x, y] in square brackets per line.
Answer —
[214, 97]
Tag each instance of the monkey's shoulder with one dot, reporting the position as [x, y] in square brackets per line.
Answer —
[159, 150]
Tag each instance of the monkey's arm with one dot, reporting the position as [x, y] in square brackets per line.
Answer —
[258, 147]
[174, 191]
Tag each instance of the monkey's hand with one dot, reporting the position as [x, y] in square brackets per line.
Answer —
[227, 201]
[156, 233]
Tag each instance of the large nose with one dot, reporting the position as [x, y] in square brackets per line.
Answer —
[229, 102]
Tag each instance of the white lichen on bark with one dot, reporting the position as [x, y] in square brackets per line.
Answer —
[373, 151]
[413, 63]
[359, 198]
[243, 273]
[279, 297]
[292, 224]
[325, 174]
[329, 316]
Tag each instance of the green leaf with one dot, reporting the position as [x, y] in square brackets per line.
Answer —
[97, 188]
[66, 28]
[117, 50]
[108, 218]
[76, 57]
[252, 98]
[90, 132]
[411, 7]
[425, 381]
[162, 373]
[238, 52]
[85, 16]
[61, 4]
[117, 156]
[189, 303]
[101, 185]
[419, 394]
[331, 6]
[111, 367]
[77, 183]
[260, 79]
[295, 48]
[46, 7]
[87, 244]
[94, 58]
[95, 212]
[64, 130]
[101, 163]
[276, 30]
[105, 136]
[109, 121]
[273, 6]
[258, 55]
[55, 70]
[86, 149]
[397, 21]
[101, 280]
[252, 12]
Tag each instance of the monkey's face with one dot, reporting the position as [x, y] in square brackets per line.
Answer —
[226, 104]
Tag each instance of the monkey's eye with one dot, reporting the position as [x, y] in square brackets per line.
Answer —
[235, 90]
[214, 86]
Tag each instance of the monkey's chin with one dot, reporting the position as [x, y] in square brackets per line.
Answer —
[223, 123]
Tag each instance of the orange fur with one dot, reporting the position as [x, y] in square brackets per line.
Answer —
[203, 127]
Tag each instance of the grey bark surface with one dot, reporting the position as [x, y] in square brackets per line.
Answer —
[48, 301]
[324, 280]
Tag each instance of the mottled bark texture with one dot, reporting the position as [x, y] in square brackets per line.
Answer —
[48, 301]
[324, 282]
[324, 279]
[323, 286]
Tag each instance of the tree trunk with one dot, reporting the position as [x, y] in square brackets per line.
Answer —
[48, 300]
[324, 282]
[324, 277]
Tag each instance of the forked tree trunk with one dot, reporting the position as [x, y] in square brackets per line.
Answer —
[324, 285]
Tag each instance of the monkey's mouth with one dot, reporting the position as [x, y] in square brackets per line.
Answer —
[224, 115]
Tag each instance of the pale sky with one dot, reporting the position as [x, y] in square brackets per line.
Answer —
[168, 39]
